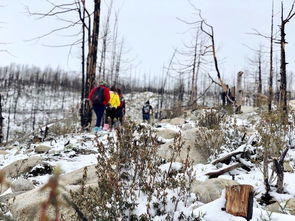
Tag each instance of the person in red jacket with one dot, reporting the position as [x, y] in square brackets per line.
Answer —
[99, 97]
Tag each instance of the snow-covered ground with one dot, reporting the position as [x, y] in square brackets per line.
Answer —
[77, 149]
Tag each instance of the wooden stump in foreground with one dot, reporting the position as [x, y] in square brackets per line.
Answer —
[239, 200]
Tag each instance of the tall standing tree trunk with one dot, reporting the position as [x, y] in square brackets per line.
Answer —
[91, 65]
[283, 85]
[270, 95]
[239, 92]
[259, 74]
[1, 121]
[193, 91]
[283, 72]
[83, 61]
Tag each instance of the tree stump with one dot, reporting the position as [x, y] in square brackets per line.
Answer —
[239, 200]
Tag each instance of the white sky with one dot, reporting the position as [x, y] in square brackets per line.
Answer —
[151, 32]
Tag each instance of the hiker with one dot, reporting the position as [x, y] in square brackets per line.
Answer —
[99, 98]
[111, 110]
[147, 110]
[226, 96]
[121, 108]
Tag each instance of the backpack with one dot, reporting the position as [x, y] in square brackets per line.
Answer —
[98, 96]
[146, 109]
[122, 102]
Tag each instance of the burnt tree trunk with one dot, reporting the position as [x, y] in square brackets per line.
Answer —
[279, 169]
[270, 95]
[1, 121]
[86, 112]
[83, 14]
[283, 85]
[239, 200]
[239, 92]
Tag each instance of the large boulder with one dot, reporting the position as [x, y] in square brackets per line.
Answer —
[3, 152]
[75, 177]
[166, 133]
[21, 184]
[20, 167]
[42, 149]
[288, 167]
[211, 189]
[292, 104]
[177, 121]
[189, 139]
[27, 206]
[283, 207]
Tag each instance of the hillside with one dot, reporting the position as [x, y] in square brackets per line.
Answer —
[145, 172]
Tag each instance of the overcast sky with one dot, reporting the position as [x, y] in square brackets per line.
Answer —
[151, 31]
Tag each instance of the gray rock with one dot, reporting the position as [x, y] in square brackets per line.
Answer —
[283, 207]
[288, 167]
[187, 126]
[211, 189]
[42, 149]
[20, 167]
[166, 133]
[3, 152]
[177, 121]
[26, 206]
[75, 177]
[189, 138]
[21, 184]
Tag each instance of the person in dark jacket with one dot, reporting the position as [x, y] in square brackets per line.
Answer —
[121, 108]
[147, 110]
[99, 106]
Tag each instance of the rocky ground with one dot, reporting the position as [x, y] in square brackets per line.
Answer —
[28, 165]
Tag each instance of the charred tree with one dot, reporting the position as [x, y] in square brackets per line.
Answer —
[283, 80]
[270, 87]
[86, 112]
[1, 121]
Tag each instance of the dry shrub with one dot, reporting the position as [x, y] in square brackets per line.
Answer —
[209, 142]
[210, 119]
[127, 169]
[272, 133]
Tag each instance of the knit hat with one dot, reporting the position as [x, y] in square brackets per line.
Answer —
[102, 82]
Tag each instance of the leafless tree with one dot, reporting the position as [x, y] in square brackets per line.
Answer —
[1, 121]
[283, 72]
[270, 87]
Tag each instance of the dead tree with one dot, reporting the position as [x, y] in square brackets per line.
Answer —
[270, 87]
[1, 121]
[239, 92]
[105, 35]
[118, 64]
[283, 80]
[93, 33]
[210, 34]
[86, 112]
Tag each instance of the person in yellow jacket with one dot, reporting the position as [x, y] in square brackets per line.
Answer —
[114, 103]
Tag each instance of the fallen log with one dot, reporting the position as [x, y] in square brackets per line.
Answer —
[239, 200]
[226, 159]
[217, 173]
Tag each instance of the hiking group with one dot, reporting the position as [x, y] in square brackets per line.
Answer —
[108, 105]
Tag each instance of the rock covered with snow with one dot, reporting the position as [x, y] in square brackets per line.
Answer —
[19, 167]
[166, 133]
[75, 177]
[211, 189]
[42, 149]
[189, 139]
[27, 206]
